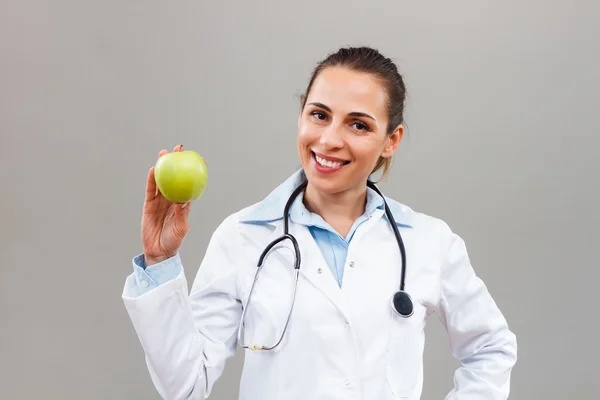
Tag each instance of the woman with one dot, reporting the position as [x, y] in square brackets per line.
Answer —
[343, 339]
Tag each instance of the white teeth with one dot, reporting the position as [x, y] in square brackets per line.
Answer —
[327, 163]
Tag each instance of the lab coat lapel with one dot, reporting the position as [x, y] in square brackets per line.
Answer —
[315, 270]
[313, 266]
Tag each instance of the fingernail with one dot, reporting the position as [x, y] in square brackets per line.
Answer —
[184, 205]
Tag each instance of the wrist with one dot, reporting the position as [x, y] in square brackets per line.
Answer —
[152, 260]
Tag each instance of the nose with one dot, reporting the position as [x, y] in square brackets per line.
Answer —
[331, 137]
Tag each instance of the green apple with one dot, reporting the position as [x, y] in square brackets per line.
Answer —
[181, 176]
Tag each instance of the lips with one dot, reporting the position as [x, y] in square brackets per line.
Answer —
[327, 164]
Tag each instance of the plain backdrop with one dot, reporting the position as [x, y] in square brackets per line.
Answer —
[502, 144]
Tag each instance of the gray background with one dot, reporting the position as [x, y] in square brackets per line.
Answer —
[502, 144]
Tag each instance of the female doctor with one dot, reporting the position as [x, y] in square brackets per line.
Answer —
[347, 276]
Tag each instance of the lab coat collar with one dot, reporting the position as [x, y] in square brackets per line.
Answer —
[270, 209]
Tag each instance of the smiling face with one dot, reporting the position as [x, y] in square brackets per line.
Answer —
[342, 130]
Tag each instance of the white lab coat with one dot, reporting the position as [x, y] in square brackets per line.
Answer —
[342, 343]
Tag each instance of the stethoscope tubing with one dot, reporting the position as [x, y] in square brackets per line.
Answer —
[401, 302]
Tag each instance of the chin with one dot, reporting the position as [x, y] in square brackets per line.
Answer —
[330, 184]
[326, 185]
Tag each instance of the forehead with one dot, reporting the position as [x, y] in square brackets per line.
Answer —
[344, 90]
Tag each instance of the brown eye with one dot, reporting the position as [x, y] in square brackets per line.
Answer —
[319, 115]
[360, 126]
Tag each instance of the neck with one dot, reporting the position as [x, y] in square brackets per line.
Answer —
[339, 210]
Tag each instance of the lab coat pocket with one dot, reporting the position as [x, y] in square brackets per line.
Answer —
[405, 351]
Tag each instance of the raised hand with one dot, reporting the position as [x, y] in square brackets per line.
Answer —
[164, 224]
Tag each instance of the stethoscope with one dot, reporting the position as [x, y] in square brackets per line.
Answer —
[401, 301]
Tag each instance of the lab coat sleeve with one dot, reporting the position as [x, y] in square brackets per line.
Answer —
[479, 335]
[188, 337]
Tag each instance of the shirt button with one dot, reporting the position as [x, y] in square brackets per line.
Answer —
[145, 284]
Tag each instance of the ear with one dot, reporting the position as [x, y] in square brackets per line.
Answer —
[392, 142]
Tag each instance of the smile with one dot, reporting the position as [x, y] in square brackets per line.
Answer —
[328, 162]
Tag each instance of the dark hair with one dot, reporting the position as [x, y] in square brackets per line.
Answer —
[369, 60]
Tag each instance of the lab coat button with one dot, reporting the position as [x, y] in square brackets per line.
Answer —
[351, 264]
[347, 382]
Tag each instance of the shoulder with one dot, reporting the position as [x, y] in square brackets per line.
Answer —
[432, 237]
[418, 220]
[431, 230]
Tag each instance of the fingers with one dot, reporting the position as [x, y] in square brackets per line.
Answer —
[151, 188]
[154, 188]
[151, 185]
[179, 147]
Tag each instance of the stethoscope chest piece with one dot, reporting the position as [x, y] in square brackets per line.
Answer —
[402, 304]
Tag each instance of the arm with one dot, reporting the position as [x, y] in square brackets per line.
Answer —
[478, 332]
[187, 338]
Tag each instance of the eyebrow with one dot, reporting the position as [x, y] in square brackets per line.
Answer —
[354, 114]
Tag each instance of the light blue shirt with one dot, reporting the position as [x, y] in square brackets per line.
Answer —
[333, 246]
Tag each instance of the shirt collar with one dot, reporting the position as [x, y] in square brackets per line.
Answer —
[270, 209]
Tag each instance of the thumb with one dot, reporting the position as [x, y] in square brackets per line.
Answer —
[181, 217]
